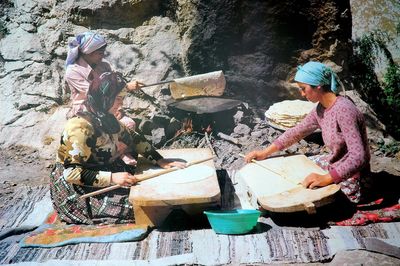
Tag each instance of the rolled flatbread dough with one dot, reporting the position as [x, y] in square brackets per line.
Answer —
[193, 173]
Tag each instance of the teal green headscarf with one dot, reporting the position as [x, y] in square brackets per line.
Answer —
[316, 74]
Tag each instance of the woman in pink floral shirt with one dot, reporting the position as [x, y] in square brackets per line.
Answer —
[343, 131]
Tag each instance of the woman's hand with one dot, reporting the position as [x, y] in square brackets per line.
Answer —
[261, 154]
[118, 114]
[123, 179]
[167, 163]
[314, 180]
[256, 155]
[134, 85]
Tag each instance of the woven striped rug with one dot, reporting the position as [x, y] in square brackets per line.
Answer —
[271, 244]
[26, 207]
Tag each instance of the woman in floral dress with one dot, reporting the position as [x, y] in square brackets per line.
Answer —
[88, 159]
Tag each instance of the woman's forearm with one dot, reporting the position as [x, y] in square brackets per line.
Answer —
[271, 149]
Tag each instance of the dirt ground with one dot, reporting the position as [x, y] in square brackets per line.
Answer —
[21, 166]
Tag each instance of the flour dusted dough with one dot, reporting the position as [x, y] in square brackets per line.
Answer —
[288, 113]
[193, 173]
[209, 84]
[261, 182]
[287, 173]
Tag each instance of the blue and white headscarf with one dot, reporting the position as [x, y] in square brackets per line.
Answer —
[316, 74]
[85, 43]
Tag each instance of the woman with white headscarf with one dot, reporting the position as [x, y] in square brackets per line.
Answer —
[343, 131]
[85, 62]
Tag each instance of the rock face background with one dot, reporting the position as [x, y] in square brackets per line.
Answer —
[256, 43]
[368, 16]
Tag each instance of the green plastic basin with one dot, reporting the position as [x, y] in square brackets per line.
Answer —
[233, 222]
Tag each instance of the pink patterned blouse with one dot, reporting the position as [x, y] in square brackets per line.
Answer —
[344, 133]
[78, 78]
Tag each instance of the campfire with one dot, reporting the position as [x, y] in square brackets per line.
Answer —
[187, 127]
[216, 119]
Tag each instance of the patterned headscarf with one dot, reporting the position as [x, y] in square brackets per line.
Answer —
[85, 43]
[100, 98]
[315, 74]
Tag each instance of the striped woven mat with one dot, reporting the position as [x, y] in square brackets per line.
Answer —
[202, 246]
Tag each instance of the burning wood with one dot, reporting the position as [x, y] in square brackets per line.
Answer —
[187, 127]
[208, 129]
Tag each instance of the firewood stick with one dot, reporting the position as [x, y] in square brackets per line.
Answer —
[209, 143]
[228, 138]
[139, 179]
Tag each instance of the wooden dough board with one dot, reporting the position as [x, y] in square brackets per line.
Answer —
[154, 199]
[279, 190]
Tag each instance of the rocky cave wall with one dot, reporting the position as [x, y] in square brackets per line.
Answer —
[257, 44]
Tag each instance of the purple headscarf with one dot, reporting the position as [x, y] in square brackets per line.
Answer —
[85, 43]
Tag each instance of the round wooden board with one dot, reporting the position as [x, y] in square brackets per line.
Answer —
[299, 199]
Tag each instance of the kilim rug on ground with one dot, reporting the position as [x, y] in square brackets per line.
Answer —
[55, 233]
[268, 244]
[48, 231]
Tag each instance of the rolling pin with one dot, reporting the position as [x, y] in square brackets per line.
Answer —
[273, 171]
[139, 179]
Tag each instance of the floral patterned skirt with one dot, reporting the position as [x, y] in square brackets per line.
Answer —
[110, 207]
[356, 188]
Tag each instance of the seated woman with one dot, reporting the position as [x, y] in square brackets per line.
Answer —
[85, 63]
[343, 131]
[87, 159]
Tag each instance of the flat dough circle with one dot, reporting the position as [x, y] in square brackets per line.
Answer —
[191, 174]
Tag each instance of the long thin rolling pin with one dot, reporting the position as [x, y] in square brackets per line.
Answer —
[271, 170]
[166, 171]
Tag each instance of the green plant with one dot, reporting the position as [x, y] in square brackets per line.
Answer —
[389, 149]
[391, 86]
[391, 99]
[383, 97]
